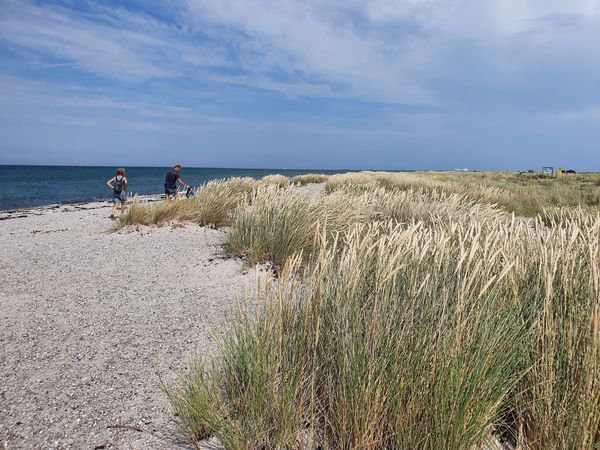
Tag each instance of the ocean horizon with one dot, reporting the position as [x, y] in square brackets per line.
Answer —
[28, 186]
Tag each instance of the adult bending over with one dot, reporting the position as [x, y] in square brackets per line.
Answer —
[170, 182]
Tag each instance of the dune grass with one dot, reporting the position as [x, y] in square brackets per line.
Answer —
[212, 205]
[309, 178]
[409, 311]
[276, 179]
[275, 223]
[559, 404]
[415, 336]
[524, 195]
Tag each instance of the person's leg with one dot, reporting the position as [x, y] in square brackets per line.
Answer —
[123, 199]
[116, 200]
[170, 194]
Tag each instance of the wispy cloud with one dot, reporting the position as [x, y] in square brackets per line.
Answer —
[385, 74]
[387, 51]
[57, 33]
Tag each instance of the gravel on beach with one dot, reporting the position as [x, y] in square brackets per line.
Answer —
[93, 321]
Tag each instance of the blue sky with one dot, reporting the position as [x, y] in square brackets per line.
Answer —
[383, 84]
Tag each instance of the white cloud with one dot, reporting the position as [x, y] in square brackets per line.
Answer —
[94, 47]
[398, 51]
[386, 50]
[314, 39]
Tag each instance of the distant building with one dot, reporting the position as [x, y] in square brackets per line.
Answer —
[548, 170]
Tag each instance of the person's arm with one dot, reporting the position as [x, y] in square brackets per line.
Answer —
[109, 183]
[125, 182]
[181, 182]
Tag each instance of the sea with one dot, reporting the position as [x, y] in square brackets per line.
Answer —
[31, 186]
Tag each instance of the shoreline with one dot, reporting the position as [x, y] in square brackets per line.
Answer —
[19, 213]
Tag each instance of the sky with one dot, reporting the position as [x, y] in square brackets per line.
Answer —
[308, 84]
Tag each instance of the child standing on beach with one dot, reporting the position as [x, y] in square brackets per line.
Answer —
[118, 184]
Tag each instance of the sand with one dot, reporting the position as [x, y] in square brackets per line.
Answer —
[93, 320]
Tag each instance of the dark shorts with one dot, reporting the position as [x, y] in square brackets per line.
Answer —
[170, 191]
[119, 197]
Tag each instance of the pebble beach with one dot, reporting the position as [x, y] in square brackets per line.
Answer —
[96, 320]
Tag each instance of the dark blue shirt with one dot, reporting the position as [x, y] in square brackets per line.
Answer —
[171, 179]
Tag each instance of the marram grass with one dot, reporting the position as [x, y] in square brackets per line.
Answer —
[213, 205]
[490, 192]
[273, 224]
[521, 194]
[409, 311]
[445, 334]
[309, 178]
[276, 179]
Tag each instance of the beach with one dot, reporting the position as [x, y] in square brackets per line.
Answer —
[386, 299]
[94, 320]
[305, 225]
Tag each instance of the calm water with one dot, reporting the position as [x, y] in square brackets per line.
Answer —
[27, 186]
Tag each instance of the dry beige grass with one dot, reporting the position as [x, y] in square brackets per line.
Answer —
[410, 311]
[213, 205]
[276, 179]
[524, 194]
[430, 206]
[431, 335]
[274, 223]
[310, 178]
